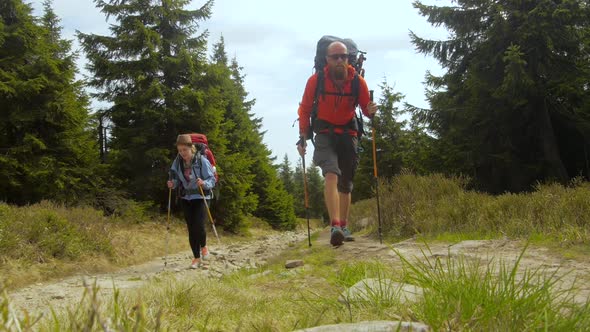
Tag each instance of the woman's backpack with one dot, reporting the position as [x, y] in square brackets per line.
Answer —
[202, 145]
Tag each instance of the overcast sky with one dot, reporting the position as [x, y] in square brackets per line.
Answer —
[274, 41]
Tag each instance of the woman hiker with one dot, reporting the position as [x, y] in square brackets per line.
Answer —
[189, 171]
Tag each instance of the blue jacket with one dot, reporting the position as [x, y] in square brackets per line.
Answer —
[202, 169]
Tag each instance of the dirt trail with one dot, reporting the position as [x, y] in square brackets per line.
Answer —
[501, 251]
[225, 258]
[230, 257]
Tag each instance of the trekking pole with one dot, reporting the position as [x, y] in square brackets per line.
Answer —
[209, 213]
[375, 173]
[168, 222]
[306, 199]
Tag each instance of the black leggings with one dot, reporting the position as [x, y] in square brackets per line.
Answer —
[195, 215]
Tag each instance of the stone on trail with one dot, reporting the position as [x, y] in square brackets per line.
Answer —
[370, 289]
[293, 263]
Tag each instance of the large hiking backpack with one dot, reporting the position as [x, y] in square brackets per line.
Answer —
[320, 62]
[202, 145]
[322, 50]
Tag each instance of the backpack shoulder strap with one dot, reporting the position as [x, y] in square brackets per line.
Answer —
[199, 162]
[319, 90]
[180, 163]
[355, 88]
[319, 87]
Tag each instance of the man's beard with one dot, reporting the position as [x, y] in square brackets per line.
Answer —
[339, 72]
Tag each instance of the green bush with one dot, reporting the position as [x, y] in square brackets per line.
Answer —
[436, 204]
[43, 231]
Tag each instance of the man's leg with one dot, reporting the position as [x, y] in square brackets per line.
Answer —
[325, 157]
[344, 199]
[347, 162]
[344, 212]
[331, 196]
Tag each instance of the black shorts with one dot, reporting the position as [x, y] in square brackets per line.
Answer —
[337, 153]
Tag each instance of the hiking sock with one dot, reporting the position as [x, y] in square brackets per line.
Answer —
[343, 223]
[335, 223]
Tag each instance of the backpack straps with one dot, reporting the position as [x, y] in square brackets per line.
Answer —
[354, 90]
[199, 162]
[356, 86]
[320, 91]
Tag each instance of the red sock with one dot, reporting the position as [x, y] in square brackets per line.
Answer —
[335, 223]
[342, 223]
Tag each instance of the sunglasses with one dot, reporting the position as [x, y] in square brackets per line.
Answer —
[335, 57]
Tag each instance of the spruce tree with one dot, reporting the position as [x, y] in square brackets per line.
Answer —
[47, 153]
[298, 190]
[234, 201]
[253, 186]
[153, 71]
[275, 205]
[389, 135]
[286, 175]
[315, 187]
[315, 190]
[512, 108]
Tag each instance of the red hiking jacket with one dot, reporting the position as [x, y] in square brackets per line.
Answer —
[335, 109]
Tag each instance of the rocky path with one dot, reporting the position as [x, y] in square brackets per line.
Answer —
[226, 258]
[498, 251]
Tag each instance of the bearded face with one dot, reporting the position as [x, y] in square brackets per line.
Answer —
[339, 72]
[337, 59]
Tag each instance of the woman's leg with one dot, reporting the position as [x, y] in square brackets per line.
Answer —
[191, 216]
[201, 216]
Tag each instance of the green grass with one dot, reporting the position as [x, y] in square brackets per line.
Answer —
[434, 205]
[473, 295]
[460, 293]
[46, 241]
[245, 300]
[45, 231]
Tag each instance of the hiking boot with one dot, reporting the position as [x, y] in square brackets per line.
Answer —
[196, 263]
[205, 253]
[347, 234]
[337, 237]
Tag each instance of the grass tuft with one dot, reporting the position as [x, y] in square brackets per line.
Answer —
[433, 205]
[469, 294]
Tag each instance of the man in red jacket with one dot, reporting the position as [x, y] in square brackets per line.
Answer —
[336, 142]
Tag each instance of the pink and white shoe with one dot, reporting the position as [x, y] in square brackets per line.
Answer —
[205, 253]
[196, 263]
